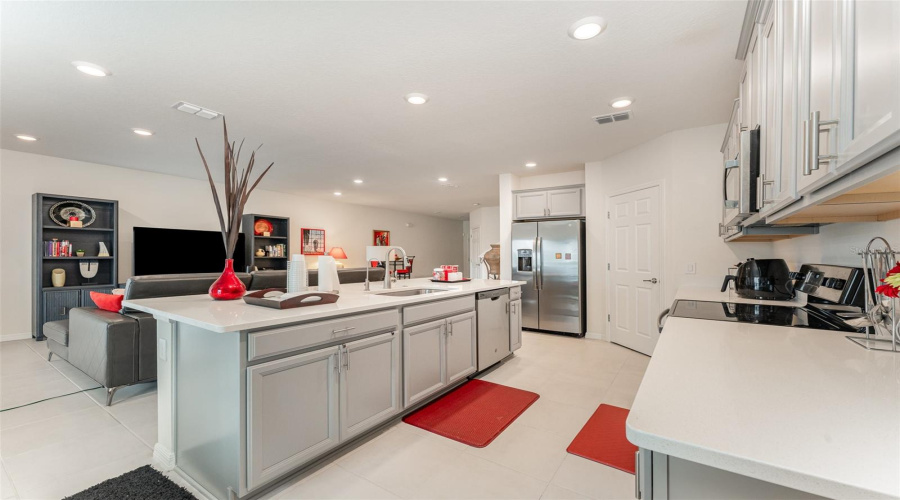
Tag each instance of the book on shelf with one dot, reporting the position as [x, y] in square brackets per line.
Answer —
[57, 248]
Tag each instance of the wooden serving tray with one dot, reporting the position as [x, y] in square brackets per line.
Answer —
[306, 299]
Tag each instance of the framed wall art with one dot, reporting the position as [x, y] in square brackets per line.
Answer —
[381, 238]
[312, 241]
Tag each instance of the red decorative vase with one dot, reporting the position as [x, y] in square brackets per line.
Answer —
[228, 286]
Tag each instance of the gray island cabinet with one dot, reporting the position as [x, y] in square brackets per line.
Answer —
[249, 396]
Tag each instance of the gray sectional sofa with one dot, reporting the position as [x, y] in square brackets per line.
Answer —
[118, 349]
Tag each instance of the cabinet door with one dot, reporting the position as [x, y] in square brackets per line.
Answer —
[870, 108]
[462, 347]
[423, 361]
[819, 86]
[292, 413]
[787, 24]
[770, 91]
[515, 325]
[565, 202]
[752, 114]
[370, 383]
[58, 303]
[530, 205]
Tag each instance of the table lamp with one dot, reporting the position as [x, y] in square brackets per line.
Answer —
[339, 254]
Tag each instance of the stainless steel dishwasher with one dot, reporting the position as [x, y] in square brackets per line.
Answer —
[493, 326]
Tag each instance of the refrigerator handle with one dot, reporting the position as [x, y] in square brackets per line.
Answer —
[534, 265]
[540, 262]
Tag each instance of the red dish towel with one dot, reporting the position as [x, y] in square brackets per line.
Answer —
[602, 439]
[474, 414]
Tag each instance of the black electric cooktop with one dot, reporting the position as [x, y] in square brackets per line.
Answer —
[762, 314]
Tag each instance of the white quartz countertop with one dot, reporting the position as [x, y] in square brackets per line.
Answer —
[803, 408]
[234, 315]
[714, 294]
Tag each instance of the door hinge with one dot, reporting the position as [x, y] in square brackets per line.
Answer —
[607, 215]
[607, 266]
[608, 318]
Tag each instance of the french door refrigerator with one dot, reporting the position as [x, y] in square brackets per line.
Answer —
[549, 256]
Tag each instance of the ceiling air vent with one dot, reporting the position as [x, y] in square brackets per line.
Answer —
[195, 110]
[614, 117]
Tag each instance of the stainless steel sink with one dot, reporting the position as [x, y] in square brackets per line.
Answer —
[411, 291]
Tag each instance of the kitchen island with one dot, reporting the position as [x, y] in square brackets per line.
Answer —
[740, 410]
[249, 395]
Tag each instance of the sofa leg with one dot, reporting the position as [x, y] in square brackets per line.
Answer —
[49, 355]
[110, 391]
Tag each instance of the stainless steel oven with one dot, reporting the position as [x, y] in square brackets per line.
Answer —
[739, 180]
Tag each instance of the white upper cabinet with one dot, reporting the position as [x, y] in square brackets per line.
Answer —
[558, 202]
[769, 144]
[819, 90]
[531, 204]
[870, 103]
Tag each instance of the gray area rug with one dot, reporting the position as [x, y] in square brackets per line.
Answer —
[144, 483]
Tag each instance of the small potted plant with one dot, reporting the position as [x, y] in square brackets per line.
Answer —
[79, 252]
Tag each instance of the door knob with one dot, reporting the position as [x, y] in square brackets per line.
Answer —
[652, 280]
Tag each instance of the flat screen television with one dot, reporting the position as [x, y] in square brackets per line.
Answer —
[177, 251]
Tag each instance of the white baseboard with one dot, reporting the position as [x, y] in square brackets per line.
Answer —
[7, 337]
[595, 336]
[163, 458]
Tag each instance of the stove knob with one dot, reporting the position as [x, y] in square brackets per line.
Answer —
[828, 283]
[838, 284]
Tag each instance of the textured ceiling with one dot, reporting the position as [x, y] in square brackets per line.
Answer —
[322, 85]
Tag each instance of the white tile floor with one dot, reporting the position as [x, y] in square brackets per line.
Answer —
[84, 442]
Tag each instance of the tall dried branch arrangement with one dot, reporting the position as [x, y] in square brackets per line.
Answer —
[237, 190]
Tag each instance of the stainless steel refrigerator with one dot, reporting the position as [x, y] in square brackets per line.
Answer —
[549, 256]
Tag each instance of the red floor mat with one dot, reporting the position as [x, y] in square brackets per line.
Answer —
[474, 414]
[602, 439]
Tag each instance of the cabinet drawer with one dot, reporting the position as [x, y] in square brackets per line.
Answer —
[292, 338]
[515, 293]
[440, 309]
[58, 303]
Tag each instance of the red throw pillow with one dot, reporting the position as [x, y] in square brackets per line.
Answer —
[107, 302]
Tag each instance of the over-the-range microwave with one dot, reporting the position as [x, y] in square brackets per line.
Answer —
[739, 180]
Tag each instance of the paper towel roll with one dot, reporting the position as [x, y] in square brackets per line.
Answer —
[328, 277]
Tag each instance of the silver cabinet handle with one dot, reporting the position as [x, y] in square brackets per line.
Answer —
[340, 360]
[637, 474]
[804, 148]
[342, 330]
[651, 280]
[761, 183]
[815, 127]
[346, 358]
[450, 327]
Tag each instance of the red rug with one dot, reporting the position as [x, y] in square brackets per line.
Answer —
[602, 439]
[474, 414]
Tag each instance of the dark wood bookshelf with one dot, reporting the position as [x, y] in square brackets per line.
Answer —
[280, 234]
[53, 303]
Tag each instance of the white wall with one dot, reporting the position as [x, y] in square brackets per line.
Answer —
[689, 165]
[487, 221]
[156, 200]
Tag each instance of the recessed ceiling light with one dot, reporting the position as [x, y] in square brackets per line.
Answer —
[357, 181]
[143, 132]
[416, 98]
[587, 28]
[337, 193]
[621, 102]
[531, 164]
[90, 68]
[442, 179]
[23, 137]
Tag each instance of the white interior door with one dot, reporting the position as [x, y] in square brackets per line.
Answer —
[635, 281]
[475, 252]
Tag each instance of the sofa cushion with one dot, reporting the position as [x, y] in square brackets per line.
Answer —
[278, 279]
[107, 301]
[172, 285]
[58, 331]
